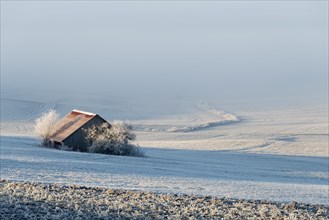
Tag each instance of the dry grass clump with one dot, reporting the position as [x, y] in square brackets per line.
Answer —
[51, 201]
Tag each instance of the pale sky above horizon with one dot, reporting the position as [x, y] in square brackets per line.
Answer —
[216, 49]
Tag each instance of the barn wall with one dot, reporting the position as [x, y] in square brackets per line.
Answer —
[77, 140]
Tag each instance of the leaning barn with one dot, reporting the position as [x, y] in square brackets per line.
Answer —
[70, 131]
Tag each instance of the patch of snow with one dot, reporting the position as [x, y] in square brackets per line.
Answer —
[219, 173]
[278, 154]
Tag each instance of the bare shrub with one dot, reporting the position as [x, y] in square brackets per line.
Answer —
[45, 124]
[113, 139]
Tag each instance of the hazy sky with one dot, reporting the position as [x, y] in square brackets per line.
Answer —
[217, 49]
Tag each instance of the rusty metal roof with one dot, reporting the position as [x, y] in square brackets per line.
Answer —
[70, 123]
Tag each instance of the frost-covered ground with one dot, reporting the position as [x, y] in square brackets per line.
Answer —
[238, 150]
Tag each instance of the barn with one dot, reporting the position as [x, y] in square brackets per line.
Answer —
[70, 130]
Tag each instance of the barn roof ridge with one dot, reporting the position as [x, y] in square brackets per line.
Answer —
[83, 112]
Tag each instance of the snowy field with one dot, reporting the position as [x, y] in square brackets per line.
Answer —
[245, 150]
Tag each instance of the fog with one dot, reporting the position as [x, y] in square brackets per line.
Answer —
[189, 49]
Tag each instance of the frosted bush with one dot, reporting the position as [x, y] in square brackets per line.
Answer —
[45, 124]
[112, 139]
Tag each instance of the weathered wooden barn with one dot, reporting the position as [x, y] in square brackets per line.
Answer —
[70, 130]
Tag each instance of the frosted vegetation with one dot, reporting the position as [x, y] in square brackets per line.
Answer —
[54, 201]
[45, 125]
[113, 139]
